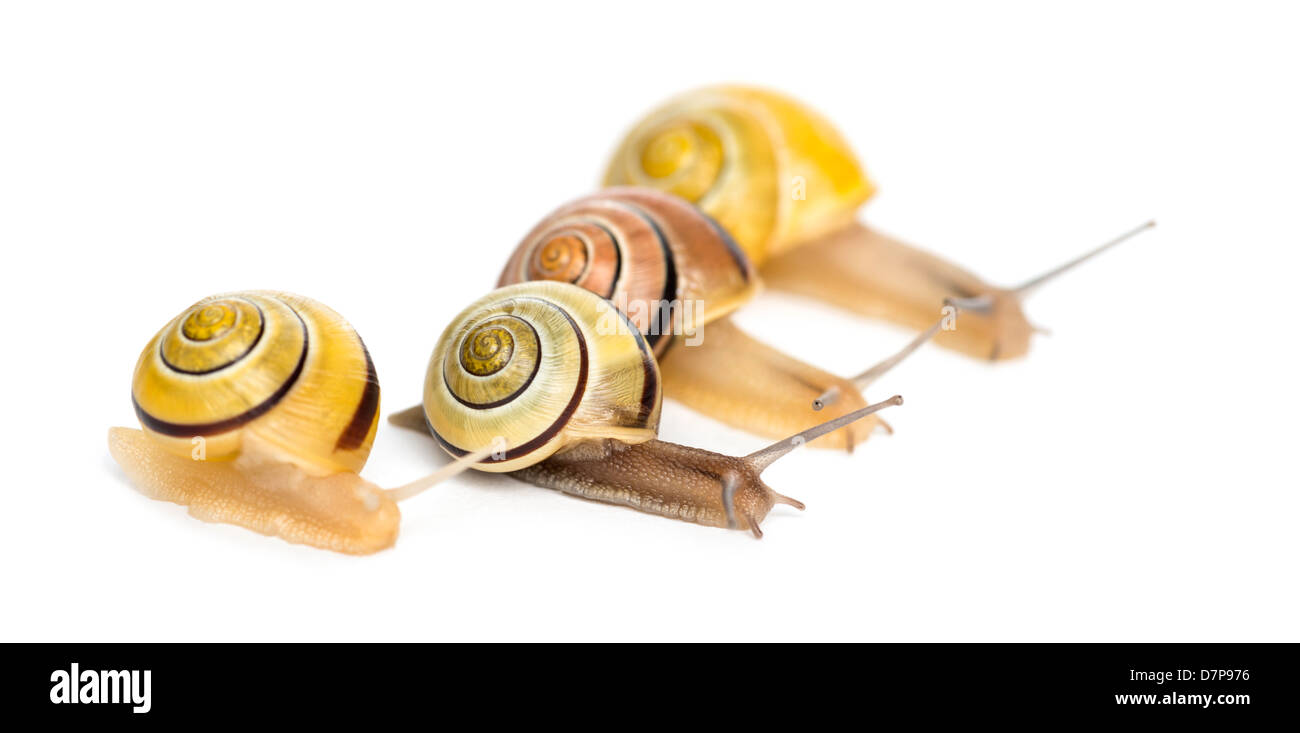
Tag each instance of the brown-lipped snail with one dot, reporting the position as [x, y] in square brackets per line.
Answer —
[668, 266]
[259, 409]
[572, 392]
[787, 185]
[677, 275]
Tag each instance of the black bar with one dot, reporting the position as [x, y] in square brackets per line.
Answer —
[532, 685]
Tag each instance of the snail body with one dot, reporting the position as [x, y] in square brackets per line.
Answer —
[665, 479]
[786, 184]
[573, 395]
[676, 274]
[259, 409]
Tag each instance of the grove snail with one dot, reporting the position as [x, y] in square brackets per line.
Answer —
[571, 390]
[259, 409]
[786, 184]
[677, 275]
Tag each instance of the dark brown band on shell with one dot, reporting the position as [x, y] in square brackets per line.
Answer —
[367, 409]
[737, 254]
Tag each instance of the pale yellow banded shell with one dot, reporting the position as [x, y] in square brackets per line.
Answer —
[773, 172]
[542, 365]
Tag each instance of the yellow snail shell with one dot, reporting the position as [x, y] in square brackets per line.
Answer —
[644, 250]
[283, 367]
[543, 365]
[773, 172]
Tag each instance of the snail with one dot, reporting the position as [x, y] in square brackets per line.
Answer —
[673, 270]
[571, 390]
[259, 409]
[786, 184]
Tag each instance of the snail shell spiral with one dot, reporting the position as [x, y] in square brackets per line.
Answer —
[281, 366]
[769, 169]
[542, 365]
[646, 251]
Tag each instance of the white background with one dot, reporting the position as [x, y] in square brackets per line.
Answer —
[1132, 479]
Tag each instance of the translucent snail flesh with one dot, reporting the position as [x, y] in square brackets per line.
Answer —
[258, 409]
[781, 179]
[676, 274]
[572, 392]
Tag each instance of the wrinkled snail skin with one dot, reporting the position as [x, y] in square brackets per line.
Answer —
[637, 247]
[657, 477]
[574, 391]
[786, 184]
[258, 409]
